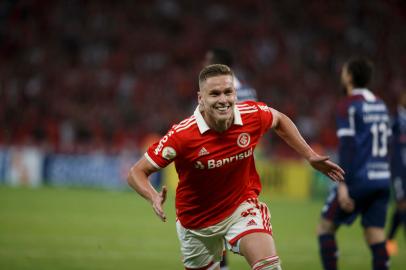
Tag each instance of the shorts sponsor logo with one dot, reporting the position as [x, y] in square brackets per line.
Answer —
[248, 212]
[251, 223]
[168, 153]
[243, 140]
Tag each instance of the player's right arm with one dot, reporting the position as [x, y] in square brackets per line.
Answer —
[138, 180]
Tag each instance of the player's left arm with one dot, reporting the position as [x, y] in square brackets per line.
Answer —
[288, 131]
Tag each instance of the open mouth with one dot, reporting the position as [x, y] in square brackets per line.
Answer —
[223, 109]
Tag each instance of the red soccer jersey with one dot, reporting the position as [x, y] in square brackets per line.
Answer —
[216, 170]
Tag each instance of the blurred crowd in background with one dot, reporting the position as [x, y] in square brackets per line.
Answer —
[80, 76]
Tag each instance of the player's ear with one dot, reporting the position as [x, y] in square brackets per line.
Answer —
[199, 97]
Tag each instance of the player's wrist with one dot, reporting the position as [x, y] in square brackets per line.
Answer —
[310, 155]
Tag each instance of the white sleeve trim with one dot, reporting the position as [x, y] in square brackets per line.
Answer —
[151, 161]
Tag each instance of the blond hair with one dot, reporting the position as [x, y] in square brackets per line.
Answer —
[213, 71]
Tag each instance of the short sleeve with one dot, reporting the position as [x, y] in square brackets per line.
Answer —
[163, 152]
[266, 116]
[346, 133]
[345, 120]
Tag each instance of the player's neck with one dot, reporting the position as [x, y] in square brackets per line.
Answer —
[218, 125]
[349, 89]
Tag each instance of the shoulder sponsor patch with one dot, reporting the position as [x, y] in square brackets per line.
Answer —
[168, 153]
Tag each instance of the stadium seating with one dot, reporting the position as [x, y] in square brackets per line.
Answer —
[79, 76]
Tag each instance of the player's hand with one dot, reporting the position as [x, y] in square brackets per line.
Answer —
[329, 168]
[344, 199]
[158, 202]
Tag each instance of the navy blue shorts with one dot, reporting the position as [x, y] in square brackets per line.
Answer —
[371, 204]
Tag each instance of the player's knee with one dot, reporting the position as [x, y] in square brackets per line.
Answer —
[268, 263]
[325, 227]
[374, 235]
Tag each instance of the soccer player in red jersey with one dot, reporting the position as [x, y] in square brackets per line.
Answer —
[218, 187]
[243, 90]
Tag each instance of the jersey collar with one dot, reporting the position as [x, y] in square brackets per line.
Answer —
[202, 125]
[367, 94]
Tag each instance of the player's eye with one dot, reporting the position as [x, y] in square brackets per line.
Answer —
[229, 92]
[214, 93]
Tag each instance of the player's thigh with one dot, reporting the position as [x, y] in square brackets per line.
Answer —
[375, 209]
[332, 215]
[257, 246]
[250, 234]
[199, 252]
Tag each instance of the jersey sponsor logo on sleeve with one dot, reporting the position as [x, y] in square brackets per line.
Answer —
[243, 140]
[168, 153]
[162, 142]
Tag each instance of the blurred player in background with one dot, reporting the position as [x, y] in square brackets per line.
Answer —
[363, 131]
[244, 93]
[398, 168]
[217, 193]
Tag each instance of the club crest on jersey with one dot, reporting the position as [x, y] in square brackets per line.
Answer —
[243, 140]
[168, 153]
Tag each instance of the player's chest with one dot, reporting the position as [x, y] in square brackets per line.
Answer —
[216, 150]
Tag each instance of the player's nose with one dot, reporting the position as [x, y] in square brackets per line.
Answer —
[222, 98]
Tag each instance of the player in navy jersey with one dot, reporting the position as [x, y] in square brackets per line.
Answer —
[398, 169]
[244, 92]
[363, 130]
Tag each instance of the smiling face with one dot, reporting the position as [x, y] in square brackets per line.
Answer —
[217, 97]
